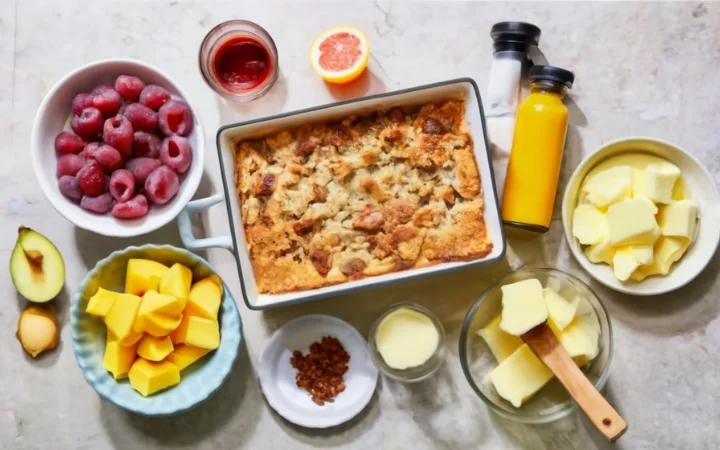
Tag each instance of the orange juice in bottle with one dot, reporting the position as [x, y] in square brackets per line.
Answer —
[537, 148]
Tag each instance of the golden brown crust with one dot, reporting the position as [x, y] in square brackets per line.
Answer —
[328, 203]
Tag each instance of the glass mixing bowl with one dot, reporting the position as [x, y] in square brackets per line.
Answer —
[552, 402]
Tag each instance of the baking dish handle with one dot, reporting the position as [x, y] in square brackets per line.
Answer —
[186, 234]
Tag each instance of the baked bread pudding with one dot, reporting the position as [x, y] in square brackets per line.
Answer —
[328, 203]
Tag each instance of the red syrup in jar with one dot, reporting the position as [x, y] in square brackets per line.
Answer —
[242, 63]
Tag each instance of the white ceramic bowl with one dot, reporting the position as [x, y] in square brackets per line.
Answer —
[703, 190]
[51, 119]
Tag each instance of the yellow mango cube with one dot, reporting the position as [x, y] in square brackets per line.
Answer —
[153, 302]
[185, 355]
[100, 303]
[122, 314]
[202, 333]
[205, 297]
[176, 281]
[153, 348]
[156, 324]
[118, 359]
[143, 275]
[178, 335]
[148, 377]
[131, 339]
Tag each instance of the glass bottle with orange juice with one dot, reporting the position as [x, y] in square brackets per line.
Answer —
[537, 148]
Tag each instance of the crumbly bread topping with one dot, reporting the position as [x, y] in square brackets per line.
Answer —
[327, 203]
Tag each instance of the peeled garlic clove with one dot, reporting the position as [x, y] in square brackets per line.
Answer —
[37, 330]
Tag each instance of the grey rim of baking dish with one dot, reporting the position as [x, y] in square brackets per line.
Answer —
[465, 332]
[347, 102]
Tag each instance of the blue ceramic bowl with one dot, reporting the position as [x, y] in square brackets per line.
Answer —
[199, 380]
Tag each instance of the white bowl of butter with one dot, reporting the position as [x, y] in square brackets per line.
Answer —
[406, 342]
[640, 215]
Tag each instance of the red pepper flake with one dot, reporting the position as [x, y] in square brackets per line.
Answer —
[321, 371]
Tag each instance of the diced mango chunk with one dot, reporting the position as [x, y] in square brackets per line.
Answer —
[560, 310]
[131, 339]
[632, 221]
[153, 302]
[100, 303]
[205, 297]
[118, 359]
[176, 281]
[501, 343]
[121, 316]
[523, 306]
[202, 333]
[178, 335]
[185, 355]
[143, 275]
[149, 377]
[156, 324]
[153, 348]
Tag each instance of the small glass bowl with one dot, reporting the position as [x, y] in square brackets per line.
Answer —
[412, 374]
[212, 42]
[552, 402]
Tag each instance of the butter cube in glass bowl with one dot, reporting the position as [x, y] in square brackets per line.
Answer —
[552, 401]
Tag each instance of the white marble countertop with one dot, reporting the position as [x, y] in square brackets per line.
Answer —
[642, 69]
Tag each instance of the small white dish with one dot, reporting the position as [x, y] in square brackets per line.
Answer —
[703, 191]
[51, 119]
[277, 376]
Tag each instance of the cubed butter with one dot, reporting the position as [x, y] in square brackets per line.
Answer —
[501, 343]
[185, 355]
[643, 254]
[624, 264]
[523, 306]
[156, 324]
[121, 316]
[520, 376]
[660, 179]
[178, 335]
[639, 187]
[154, 348]
[632, 222]
[100, 303]
[602, 252]
[560, 310]
[176, 281]
[149, 377]
[142, 275]
[590, 224]
[131, 339]
[154, 302]
[678, 219]
[118, 359]
[580, 339]
[205, 297]
[609, 186]
[668, 250]
[202, 333]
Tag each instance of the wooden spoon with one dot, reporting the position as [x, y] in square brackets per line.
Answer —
[543, 342]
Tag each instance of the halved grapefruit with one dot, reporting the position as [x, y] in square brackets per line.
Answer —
[340, 54]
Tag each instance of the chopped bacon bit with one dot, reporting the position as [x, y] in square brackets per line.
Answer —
[432, 126]
[396, 114]
[321, 371]
[305, 148]
[353, 266]
[303, 226]
[320, 260]
[266, 185]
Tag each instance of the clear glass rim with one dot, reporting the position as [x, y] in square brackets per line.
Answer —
[424, 370]
[204, 60]
[563, 409]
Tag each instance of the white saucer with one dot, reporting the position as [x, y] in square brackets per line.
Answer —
[277, 376]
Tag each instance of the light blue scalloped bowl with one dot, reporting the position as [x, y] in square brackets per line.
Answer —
[199, 381]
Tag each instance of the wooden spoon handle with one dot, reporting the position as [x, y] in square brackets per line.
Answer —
[606, 419]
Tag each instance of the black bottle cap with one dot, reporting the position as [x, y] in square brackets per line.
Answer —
[554, 74]
[514, 35]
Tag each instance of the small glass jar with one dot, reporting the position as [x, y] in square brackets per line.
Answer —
[223, 35]
[411, 374]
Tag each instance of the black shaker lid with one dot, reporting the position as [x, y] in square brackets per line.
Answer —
[521, 33]
[551, 73]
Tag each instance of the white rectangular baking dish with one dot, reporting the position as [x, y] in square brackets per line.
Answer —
[464, 88]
